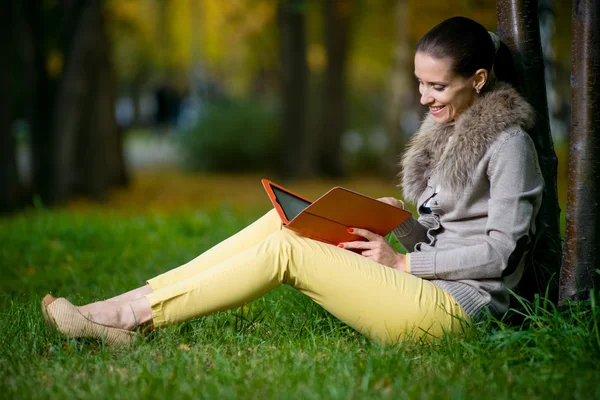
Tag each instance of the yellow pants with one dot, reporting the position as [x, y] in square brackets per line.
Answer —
[380, 302]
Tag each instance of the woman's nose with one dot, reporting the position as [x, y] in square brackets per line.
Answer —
[425, 97]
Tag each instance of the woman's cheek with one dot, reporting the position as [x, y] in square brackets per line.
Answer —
[445, 99]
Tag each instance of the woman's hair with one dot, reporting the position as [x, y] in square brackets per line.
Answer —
[470, 47]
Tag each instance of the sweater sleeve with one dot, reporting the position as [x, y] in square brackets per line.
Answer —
[516, 186]
[413, 231]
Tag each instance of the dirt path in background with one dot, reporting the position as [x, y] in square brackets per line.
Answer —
[158, 185]
[171, 190]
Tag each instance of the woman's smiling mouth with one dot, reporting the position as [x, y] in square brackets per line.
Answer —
[436, 110]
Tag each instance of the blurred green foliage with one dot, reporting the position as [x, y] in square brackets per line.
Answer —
[233, 136]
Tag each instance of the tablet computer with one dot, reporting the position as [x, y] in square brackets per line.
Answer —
[328, 218]
[288, 204]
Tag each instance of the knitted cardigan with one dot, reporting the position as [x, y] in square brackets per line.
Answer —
[473, 242]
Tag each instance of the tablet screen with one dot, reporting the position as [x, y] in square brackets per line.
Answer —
[290, 204]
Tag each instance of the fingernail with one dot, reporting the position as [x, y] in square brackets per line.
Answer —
[341, 245]
[350, 230]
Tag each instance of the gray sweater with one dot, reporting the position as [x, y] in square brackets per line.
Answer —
[473, 242]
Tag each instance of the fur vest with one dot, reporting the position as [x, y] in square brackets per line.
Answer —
[452, 163]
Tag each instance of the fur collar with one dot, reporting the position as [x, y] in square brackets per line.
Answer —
[453, 162]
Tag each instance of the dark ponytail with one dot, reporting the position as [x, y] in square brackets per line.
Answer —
[470, 47]
[504, 67]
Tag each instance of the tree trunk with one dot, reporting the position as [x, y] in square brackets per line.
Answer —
[106, 169]
[295, 160]
[75, 142]
[88, 143]
[337, 35]
[400, 82]
[29, 22]
[9, 178]
[74, 87]
[518, 27]
[578, 273]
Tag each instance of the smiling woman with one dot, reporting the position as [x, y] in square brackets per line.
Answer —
[449, 84]
[477, 196]
[445, 93]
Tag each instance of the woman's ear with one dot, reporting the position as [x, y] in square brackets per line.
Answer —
[479, 79]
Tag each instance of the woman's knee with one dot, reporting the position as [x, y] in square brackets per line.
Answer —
[283, 245]
[281, 238]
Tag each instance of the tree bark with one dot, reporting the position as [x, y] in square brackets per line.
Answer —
[9, 178]
[29, 21]
[400, 82]
[75, 142]
[337, 38]
[295, 161]
[74, 87]
[518, 27]
[88, 143]
[102, 138]
[578, 273]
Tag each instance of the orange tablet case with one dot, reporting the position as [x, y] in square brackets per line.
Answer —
[329, 217]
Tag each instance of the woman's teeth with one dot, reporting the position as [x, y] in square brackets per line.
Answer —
[435, 110]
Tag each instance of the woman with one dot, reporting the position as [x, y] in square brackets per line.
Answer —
[471, 170]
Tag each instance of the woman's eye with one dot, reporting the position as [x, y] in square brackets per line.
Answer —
[439, 88]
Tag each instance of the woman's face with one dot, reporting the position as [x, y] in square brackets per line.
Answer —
[446, 94]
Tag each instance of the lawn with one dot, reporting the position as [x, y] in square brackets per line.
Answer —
[280, 346]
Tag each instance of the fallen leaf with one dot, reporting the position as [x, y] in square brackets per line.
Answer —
[184, 346]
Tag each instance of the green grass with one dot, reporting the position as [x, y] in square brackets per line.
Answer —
[280, 346]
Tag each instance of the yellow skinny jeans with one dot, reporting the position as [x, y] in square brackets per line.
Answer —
[380, 302]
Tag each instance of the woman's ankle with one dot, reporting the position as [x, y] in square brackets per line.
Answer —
[119, 314]
[127, 317]
[141, 310]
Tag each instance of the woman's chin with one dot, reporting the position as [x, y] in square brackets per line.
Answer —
[441, 118]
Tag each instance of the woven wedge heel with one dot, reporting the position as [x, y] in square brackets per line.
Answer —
[64, 317]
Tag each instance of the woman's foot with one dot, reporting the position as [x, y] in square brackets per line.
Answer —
[114, 314]
[64, 317]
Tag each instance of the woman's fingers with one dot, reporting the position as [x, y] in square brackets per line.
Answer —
[392, 201]
[376, 249]
[370, 236]
[373, 240]
[358, 245]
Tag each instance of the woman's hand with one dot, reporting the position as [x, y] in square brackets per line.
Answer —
[376, 249]
[392, 202]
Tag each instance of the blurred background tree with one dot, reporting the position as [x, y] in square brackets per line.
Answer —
[64, 88]
[295, 161]
[10, 188]
[295, 88]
